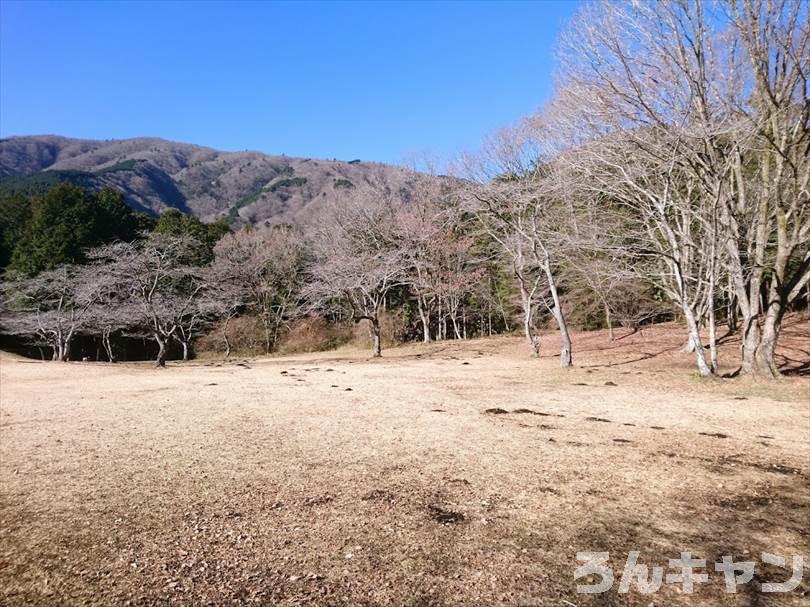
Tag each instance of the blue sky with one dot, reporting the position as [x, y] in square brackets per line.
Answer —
[371, 80]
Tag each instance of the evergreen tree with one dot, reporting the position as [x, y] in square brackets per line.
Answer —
[174, 223]
[45, 232]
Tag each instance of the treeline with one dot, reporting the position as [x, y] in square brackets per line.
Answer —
[669, 174]
[680, 129]
[675, 150]
[42, 232]
[413, 249]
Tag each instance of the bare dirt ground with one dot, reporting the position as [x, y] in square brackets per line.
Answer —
[331, 479]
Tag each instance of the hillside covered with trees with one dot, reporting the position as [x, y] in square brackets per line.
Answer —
[155, 175]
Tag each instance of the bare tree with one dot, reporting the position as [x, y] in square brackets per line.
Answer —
[517, 205]
[436, 250]
[157, 275]
[52, 307]
[695, 116]
[228, 290]
[263, 268]
[766, 212]
[114, 314]
[357, 260]
[197, 316]
[460, 271]
[419, 231]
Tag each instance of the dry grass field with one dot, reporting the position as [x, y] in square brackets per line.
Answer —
[332, 479]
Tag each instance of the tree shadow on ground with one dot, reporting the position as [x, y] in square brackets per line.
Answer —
[767, 516]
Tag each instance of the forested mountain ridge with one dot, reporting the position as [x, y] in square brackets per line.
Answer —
[155, 174]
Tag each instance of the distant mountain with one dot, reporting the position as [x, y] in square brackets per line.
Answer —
[155, 174]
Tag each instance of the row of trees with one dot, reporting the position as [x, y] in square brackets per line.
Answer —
[451, 252]
[388, 246]
[453, 256]
[670, 172]
[681, 128]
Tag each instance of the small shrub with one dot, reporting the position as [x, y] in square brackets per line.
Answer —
[287, 183]
[393, 329]
[244, 332]
[126, 165]
[313, 334]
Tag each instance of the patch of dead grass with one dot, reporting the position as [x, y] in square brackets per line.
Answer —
[262, 483]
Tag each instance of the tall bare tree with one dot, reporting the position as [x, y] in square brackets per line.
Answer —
[420, 228]
[517, 204]
[695, 115]
[264, 268]
[357, 258]
[766, 208]
[114, 314]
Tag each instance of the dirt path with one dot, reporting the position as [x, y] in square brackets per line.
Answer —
[333, 480]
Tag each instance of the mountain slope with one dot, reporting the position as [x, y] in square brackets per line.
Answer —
[155, 174]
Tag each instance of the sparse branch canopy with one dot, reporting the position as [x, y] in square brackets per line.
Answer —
[158, 276]
[357, 257]
[52, 307]
[516, 197]
[694, 117]
[262, 269]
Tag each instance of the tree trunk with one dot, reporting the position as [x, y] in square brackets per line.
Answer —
[185, 350]
[694, 338]
[279, 319]
[375, 331]
[751, 339]
[225, 337]
[442, 328]
[559, 316]
[528, 330]
[609, 323]
[266, 324]
[689, 346]
[531, 339]
[424, 316]
[64, 350]
[565, 353]
[455, 326]
[747, 285]
[712, 337]
[160, 361]
[439, 321]
[765, 353]
[57, 346]
[759, 342]
[105, 339]
[506, 326]
[464, 322]
[732, 320]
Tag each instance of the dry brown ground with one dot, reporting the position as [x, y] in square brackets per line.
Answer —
[335, 480]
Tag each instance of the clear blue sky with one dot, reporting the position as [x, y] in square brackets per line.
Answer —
[371, 80]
